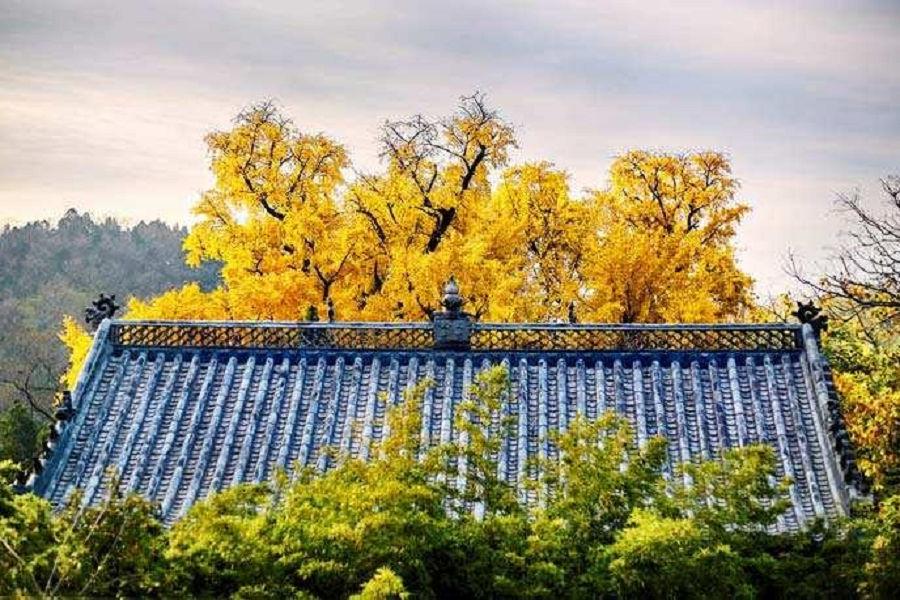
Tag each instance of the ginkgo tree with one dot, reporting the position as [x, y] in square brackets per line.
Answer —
[273, 218]
[666, 224]
[301, 235]
[297, 237]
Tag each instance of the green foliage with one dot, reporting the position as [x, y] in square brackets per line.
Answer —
[883, 569]
[114, 549]
[384, 585]
[601, 477]
[222, 544]
[608, 522]
[472, 461]
[335, 531]
[659, 557]
[736, 492]
[703, 537]
[822, 561]
[866, 360]
[325, 534]
[21, 435]
[78, 257]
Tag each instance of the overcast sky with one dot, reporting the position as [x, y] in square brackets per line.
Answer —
[103, 105]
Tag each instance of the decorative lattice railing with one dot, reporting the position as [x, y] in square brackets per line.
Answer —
[483, 336]
[636, 337]
[272, 335]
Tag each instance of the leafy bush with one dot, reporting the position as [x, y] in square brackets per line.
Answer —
[605, 523]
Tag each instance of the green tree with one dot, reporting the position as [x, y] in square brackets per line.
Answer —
[607, 522]
[113, 549]
[21, 435]
[661, 557]
[702, 538]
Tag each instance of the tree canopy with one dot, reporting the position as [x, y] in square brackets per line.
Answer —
[610, 524]
[860, 291]
[293, 231]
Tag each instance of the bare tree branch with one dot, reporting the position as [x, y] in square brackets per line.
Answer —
[864, 278]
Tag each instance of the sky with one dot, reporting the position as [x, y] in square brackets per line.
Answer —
[104, 105]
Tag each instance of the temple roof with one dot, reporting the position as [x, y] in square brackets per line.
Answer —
[181, 409]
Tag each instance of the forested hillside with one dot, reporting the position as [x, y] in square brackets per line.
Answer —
[50, 270]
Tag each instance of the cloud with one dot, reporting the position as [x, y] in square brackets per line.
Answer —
[104, 105]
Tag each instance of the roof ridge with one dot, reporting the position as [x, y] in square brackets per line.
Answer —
[467, 336]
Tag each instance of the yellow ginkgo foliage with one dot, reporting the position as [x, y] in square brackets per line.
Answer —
[273, 219]
[535, 243]
[297, 238]
[420, 219]
[78, 342]
[666, 224]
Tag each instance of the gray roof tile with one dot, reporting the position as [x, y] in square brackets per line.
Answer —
[181, 410]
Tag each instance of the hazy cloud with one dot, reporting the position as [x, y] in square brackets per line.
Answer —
[103, 105]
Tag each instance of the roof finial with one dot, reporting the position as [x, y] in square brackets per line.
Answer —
[104, 307]
[452, 327]
[312, 313]
[452, 301]
[807, 312]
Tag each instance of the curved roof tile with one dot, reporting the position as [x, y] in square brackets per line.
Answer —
[180, 410]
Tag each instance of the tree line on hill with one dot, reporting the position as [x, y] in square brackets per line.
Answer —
[48, 271]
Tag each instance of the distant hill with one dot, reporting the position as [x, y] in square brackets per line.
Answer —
[47, 271]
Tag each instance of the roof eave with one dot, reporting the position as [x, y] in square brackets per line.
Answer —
[58, 449]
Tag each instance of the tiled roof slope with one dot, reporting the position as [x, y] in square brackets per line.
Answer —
[181, 410]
